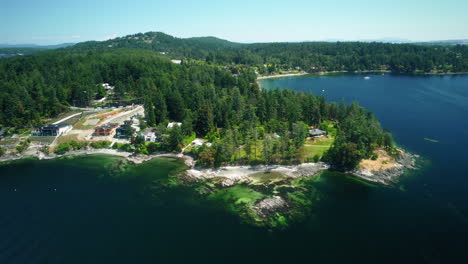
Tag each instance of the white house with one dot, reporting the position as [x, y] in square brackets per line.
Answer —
[176, 61]
[172, 124]
[149, 136]
[199, 142]
[107, 86]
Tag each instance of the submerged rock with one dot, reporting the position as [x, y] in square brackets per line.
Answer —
[269, 206]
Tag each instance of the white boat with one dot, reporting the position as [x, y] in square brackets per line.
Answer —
[366, 78]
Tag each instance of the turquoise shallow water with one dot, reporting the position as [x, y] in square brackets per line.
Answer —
[98, 210]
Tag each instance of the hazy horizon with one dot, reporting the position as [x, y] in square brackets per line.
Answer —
[385, 40]
[50, 22]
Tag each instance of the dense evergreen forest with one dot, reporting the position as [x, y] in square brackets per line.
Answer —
[309, 56]
[208, 97]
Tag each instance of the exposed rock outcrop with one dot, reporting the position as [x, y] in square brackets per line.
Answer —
[388, 176]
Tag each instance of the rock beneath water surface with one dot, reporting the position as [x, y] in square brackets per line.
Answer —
[269, 206]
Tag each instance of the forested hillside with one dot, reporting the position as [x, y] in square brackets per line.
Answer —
[309, 56]
[208, 99]
[213, 92]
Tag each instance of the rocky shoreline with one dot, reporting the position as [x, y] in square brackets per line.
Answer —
[231, 175]
[406, 161]
[263, 195]
[129, 156]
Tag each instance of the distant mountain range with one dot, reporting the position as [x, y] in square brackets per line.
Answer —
[445, 42]
[214, 41]
[405, 41]
[12, 50]
[35, 46]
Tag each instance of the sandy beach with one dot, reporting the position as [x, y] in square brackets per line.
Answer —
[281, 75]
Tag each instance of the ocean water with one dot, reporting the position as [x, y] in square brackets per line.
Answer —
[98, 209]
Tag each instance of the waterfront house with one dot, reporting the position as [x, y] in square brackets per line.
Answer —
[316, 133]
[105, 130]
[52, 130]
[150, 136]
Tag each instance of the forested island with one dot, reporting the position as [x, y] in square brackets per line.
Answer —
[205, 89]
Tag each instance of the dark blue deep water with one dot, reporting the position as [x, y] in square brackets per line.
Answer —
[90, 210]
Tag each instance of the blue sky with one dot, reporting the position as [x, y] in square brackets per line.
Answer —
[59, 21]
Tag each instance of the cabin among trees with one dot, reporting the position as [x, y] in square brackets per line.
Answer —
[316, 133]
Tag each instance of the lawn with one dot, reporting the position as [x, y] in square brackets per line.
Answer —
[62, 116]
[311, 151]
[67, 138]
[317, 146]
[42, 140]
[322, 141]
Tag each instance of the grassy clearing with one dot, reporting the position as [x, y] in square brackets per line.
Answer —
[42, 140]
[67, 138]
[62, 116]
[311, 151]
[81, 126]
[25, 133]
[322, 141]
[317, 146]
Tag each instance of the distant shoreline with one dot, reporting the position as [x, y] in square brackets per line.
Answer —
[281, 75]
[357, 72]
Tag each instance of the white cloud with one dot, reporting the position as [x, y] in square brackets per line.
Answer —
[112, 36]
[55, 37]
